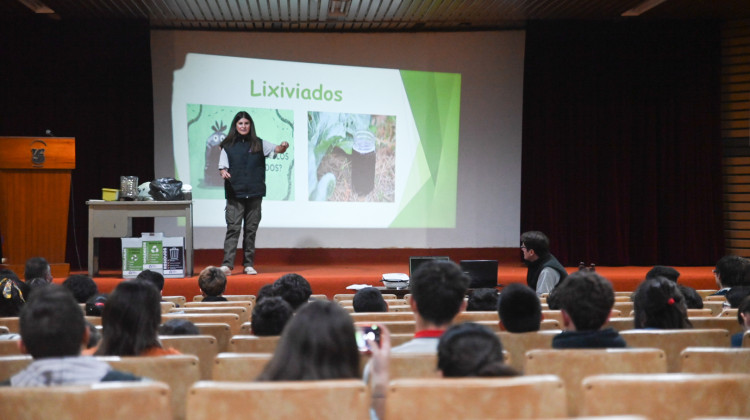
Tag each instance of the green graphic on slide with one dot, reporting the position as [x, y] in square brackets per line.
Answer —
[430, 195]
[208, 125]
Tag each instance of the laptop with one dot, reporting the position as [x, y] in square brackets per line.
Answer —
[415, 262]
[483, 273]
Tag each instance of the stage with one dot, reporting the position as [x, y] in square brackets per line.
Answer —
[330, 271]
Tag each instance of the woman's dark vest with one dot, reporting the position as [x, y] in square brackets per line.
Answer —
[248, 172]
[536, 267]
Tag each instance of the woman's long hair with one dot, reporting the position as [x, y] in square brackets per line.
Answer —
[658, 303]
[233, 136]
[130, 320]
[471, 350]
[317, 343]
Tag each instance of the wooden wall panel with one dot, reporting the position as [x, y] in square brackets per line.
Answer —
[735, 130]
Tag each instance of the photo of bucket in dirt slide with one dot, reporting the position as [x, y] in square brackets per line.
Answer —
[353, 157]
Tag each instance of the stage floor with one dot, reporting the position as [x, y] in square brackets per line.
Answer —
[331, 278]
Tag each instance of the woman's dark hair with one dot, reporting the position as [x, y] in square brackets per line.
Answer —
[255, 143]
[470, 349]
[658, 303]
[130, 319]
[317, 343]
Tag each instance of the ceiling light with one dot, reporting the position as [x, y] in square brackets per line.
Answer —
[37, 6]
[643, 7]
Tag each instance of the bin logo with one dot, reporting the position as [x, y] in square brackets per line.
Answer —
[154, 249]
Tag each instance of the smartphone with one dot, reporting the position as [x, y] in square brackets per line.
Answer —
[364, 334]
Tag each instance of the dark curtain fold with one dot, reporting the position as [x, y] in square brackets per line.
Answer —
[621, 141]
[90, 80]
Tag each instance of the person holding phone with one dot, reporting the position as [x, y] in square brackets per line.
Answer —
[242, 165]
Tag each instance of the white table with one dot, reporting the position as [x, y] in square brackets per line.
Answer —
[113, 219]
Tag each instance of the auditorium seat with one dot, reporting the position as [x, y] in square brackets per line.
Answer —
[726, 323]
[704, 293]
[167, 306]
[10, 347]
[205, 347]
[177, 300]
[674, 341]
[179, 372]
[717, 298]
[715, 360]
[253, 344]
[517, 344]
[671, 396]
[95, 320]
[413, 365]
[553, 314]
[242, 312]
[219, 330]
[4, 330]
[398, 339]
[252, 298]
[106, 400]
[318, 297]
[246, 328]
[10, 322]
[225, 318]
[320, 400]
[395, 327]
[715, 307]
[10, 365]
[241, 367]
[625, 308]
[729, 313]
[522, 397]
[372, 317]
[699, 312]
[474, 316]
[248, 304]
[621, 323]
[572, 366]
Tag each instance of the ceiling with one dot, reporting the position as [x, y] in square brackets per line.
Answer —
[365, 15]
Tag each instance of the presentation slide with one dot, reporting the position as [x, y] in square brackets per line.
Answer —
[369, 147]
[397, 140]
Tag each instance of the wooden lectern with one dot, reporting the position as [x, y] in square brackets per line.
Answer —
[34, 200]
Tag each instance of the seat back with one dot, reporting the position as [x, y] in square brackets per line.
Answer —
[572, 366]
[177, 300]
[167, 306]
[395, 327]
[372, 317]
[324, 400]
[517, 344]
[413, 365]
[621, 324]
[11, 323]
[232, 319]
[105, 400]
[715, 307]
[714, 322]
[10, 365]
[221, 331]
[668, 396]
[476, 398]
[248, 304]
[715, 360]
[252, 298]
[474, 316]
[10, 347]
[240, 367]
[674, 341]
[179, 372]
[240, 311]
[205, 347]
[253, 344]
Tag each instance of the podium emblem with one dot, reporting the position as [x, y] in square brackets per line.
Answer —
[37, 152]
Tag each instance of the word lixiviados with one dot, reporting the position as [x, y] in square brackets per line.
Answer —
[296, 92]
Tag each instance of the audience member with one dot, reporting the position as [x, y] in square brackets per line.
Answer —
[586, 301]
[519, 309]
[692, 299]
[293, 288]
[265, 291]
[36, 283]
[177, 326]
[270, 315]
[437, 296]
[212, 282]
[319, 343]
[471, 350]
[729, 272]
[545, 271]
[82, 286]
[743, 317]
[369, 299]
[663, 271]
[95, 304]
[153, 277]
[658, 304]
[37, 267]
[53, 332]
[13, 293]
[131, 320]
[483, 299]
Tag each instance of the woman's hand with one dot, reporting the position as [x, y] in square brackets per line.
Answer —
[224, 174]
[379, 377]
[282, 147]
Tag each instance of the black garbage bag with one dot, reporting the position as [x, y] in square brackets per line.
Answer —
[166, 189]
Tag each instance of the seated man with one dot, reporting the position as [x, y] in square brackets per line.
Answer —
[519, 309]
[437, 296]
[369, 299]
[37, 267]
[586, 301]
[545, 271]
[154, 277]
[82, 286]
[730, 272]
[53, 332]
[270, 315]
[293, 288]
[212, 282]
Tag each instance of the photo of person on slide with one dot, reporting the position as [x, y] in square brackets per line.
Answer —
[242, 165]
